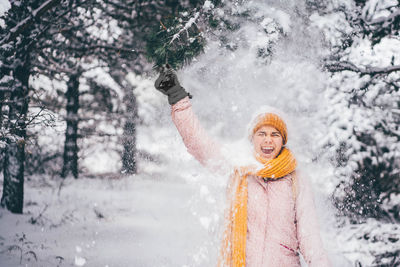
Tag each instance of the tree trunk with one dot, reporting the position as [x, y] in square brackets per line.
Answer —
[129, 135]
[130, 119]
[1, 128]
[71, 134]
[14, 153]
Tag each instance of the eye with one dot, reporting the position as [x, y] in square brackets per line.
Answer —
[276, 134]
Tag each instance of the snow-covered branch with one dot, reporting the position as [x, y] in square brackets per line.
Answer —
[344, 65]
[5, 89]
[121, 5]
[107, 47]
[54, 68]
[187, 26]
[385, 21]
[21, 26]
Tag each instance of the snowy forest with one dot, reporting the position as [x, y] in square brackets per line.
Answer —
[94, 173]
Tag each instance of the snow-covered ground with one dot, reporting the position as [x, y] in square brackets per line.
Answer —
[167, 215]
[144, 220]
[131, 221]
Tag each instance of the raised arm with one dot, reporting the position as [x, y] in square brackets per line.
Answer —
[195, 138]
[307, 226]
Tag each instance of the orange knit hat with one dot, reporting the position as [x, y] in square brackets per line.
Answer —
[272, 120]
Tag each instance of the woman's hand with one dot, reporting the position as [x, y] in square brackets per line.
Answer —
[168, 84]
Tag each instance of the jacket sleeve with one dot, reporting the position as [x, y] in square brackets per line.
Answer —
[308, 235]
[195, 138]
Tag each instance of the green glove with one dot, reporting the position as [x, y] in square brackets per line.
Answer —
[168, 84]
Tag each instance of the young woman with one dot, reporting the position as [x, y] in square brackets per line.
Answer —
[272, 217]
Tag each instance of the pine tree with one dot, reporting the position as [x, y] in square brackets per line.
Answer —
[71, 48]
[24, 24]
[365, 98]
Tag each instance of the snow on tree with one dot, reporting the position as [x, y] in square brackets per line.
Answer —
[363, 117]
[17, 45]
[364, 95]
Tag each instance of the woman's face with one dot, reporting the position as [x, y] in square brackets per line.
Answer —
[267, 142]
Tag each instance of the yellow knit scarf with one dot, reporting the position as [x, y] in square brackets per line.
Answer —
[233, 250]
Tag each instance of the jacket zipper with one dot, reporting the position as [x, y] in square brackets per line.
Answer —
[292, 250]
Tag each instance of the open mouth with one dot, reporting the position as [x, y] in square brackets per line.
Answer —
[267, 150]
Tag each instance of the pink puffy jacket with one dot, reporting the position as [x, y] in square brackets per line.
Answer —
[279, 226]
